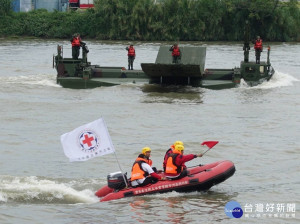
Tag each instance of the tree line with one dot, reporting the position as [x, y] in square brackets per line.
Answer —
[149, 20]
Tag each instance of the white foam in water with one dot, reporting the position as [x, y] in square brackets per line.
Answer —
[2, 198]
[40, 80]
[43, 80]
[279, 79]
[42, 191]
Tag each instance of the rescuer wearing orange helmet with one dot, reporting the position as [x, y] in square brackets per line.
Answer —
[141, 173]
[175, 165]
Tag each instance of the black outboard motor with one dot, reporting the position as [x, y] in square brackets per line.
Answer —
[116, 180]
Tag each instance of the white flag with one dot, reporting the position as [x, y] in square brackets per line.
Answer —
[88, 141]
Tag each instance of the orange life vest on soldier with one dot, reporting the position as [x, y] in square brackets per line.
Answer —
[131, 51]
[258, 44]
[171, 167]
[137, 171]
[176, 51]
[76, 42]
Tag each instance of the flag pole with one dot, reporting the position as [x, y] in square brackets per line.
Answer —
[121, 169]
[206, 151]
[116, 156]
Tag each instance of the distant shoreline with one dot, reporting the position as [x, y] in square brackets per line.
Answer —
[172, 20]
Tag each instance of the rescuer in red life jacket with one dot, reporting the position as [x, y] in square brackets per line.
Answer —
[170, 150]
[131, 56]
[175, 167]
[176, 54]
[141, 173]
[258, 49]
[76, 43]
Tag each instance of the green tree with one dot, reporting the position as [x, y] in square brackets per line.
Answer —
[175, 20]
[5, 7]
[113, 17]
[260, 14]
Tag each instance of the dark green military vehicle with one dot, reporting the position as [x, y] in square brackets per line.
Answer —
[80, 74]
[190, 70]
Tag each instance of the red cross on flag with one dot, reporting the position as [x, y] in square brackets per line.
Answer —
[87, 141]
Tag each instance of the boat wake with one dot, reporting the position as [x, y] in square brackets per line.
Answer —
[34, 80]
[279, 79]
[37, 190]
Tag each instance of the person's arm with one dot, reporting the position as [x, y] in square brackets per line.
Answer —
[81, 42]
[156, 176]
[185, 158]
[148, 169]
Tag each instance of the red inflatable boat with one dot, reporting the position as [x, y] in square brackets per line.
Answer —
[200, 178]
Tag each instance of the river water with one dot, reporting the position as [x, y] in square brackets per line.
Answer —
[257, 128]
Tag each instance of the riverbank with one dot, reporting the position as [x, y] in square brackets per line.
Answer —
[174, 20]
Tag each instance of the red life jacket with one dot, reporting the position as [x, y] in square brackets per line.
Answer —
[137, 171]
[76, 42]
[176, 51]
[258, 44]
[131, 51]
